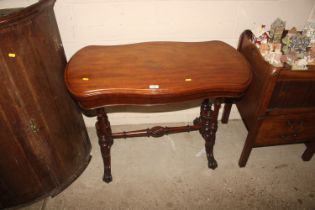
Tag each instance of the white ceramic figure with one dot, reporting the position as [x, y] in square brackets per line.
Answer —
[300, 64]
[309, 31]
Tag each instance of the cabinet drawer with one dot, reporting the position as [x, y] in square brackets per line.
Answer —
[286, 129]
[293, 94]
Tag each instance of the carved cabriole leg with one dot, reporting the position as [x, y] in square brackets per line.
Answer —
[104, 133]
[209, 124]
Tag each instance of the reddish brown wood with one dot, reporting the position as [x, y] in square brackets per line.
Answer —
[249, 144]
[156, 131]
[284, 111]
[157, 73]
[44, 143]
[293, 94]
[104, 133]
[297, 75]
[206, 124]
[257, 97]
[247, 34]
[278, 106]
[209, 124]
[117, 75]
[285, 129]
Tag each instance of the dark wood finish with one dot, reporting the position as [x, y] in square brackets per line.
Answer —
[226, 112]
[44, 143]
[279, 105]
[285, 129]
[5, 12]
[100, 76]
[206, 123]
[293, 94]
[157, 131]
[309, 152]
[104, 133]
[209, 124]
[249, 144]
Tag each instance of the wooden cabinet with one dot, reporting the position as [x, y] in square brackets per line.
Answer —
[44, 145]
[286, 128]
[279, 106]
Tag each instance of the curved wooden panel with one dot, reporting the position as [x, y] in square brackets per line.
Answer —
[257, 97]
[44, 145]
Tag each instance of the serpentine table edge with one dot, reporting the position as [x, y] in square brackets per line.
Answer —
[153, 73]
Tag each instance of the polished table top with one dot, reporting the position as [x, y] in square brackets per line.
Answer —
[156, 73]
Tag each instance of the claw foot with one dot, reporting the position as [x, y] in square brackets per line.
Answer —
[212, 163]
[107, 178]
[107, 175]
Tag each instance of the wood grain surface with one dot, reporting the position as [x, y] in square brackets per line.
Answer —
[44, 145]
[156, 73]
[278, 107]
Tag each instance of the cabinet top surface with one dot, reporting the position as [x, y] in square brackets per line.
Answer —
[157, 69]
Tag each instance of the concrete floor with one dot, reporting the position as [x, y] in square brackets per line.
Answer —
[171, 173]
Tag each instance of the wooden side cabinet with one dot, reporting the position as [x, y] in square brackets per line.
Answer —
[279, 106]
[44, 145]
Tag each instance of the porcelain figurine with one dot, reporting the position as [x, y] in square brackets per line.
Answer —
[295, 43]
[309, 31]
[276, 30]
[300, 64]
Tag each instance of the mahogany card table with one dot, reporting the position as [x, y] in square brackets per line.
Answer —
[155, 73]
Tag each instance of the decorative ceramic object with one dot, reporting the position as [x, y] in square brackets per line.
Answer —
[276, 30]
[309, 31]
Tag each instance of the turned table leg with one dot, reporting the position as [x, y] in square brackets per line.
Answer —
[105, 141]
[209, 124]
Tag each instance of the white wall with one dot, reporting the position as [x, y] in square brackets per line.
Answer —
[107, 22]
